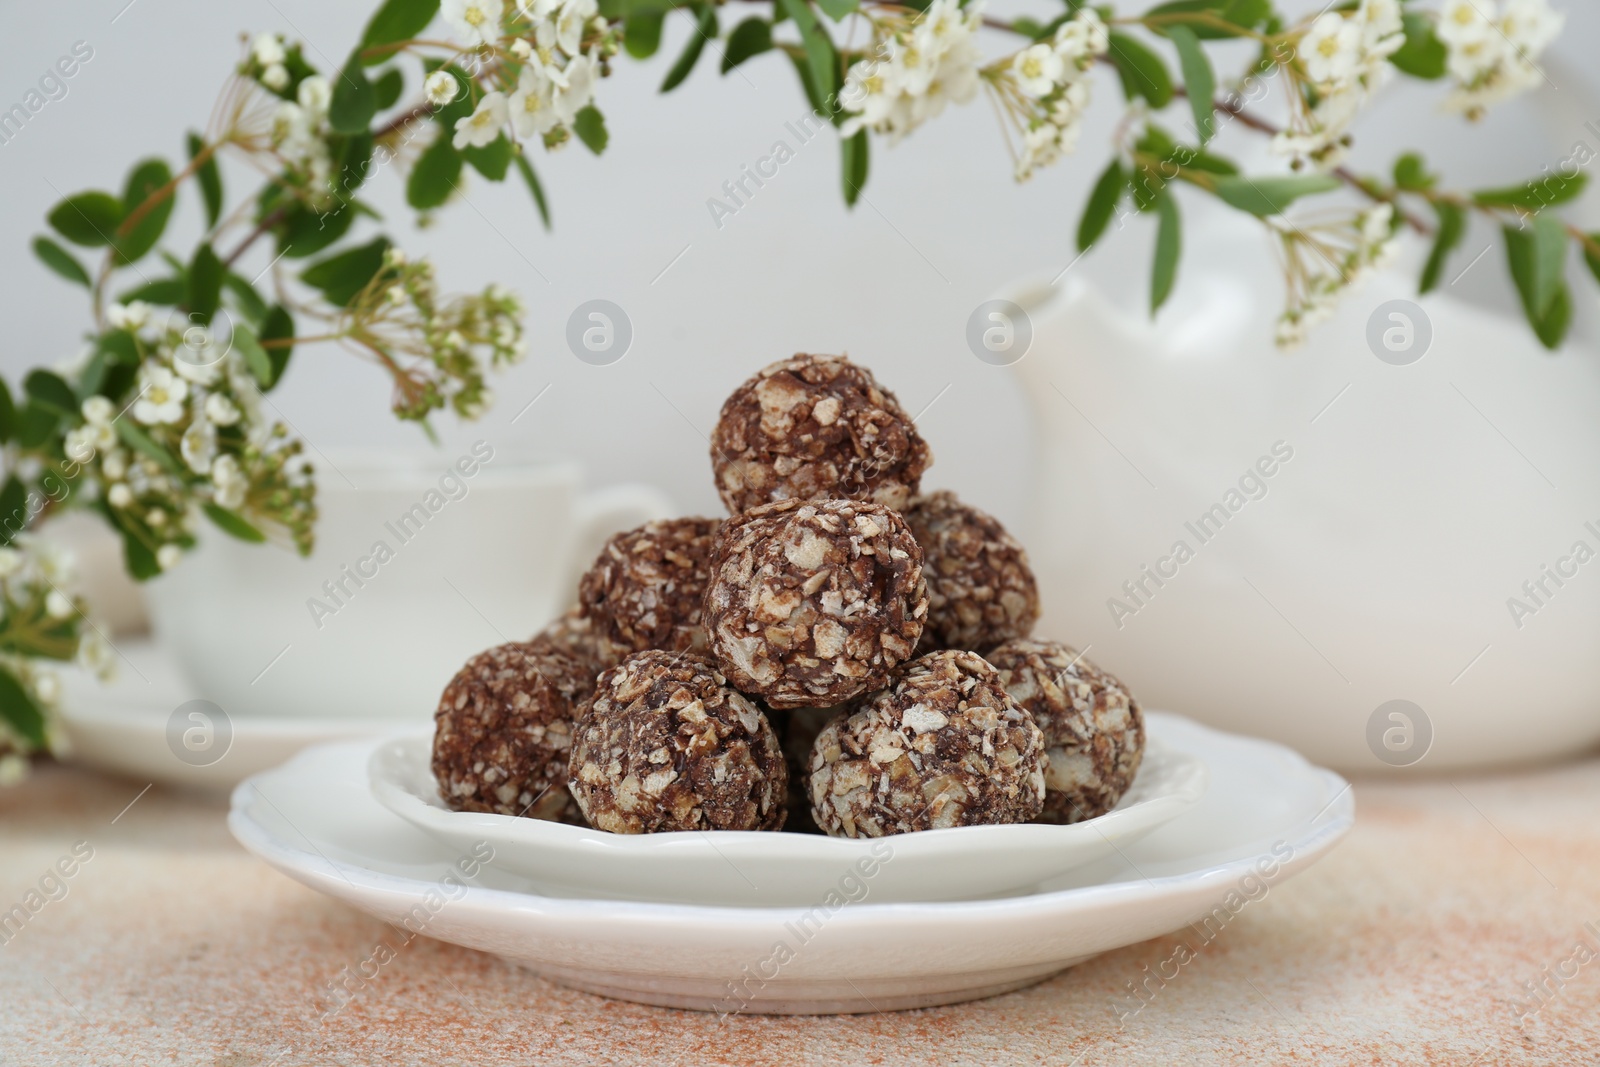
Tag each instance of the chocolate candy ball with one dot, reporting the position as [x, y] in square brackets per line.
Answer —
[666, 744]
[646, 588]
[981, 590]
[814, 428]
[503, 731]
[1093, 728]
[814, 602]
[945, 746]
[573, 635]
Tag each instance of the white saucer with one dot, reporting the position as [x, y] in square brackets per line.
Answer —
[750, 869]
[122, 726]
[1268, 815]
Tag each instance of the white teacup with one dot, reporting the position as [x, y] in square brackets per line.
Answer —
[418, 565]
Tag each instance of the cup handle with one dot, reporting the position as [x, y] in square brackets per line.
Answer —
[604, 512]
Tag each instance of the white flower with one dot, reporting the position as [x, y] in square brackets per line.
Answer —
[156, 518]
[1330, 49]
[47, 687]
[570, 23]
[440, 88]
[1461, 21]
[1531, 25]
[161, 399]
[477, 21]
[13, 769]
[532, 106]
[483, 125]
[96, 655]
[1038, 69]
[114, 466]
[581, 75]
[276, 77]
[315, 94]
[79, 444]
[220, 410]
[229, 481]
[98, 410]
[1083, 36]
[522, 49]
[57, 606]
[168, 556]
[1382, 30]
[10, 562]
[130, 316]
[198, 445]
[267, 49]
[120, 496]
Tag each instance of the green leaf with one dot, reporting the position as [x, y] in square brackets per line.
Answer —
[1534, 195]
[342, 277]
[1452, 228]
[590, 126]
[705, 29]
[305, 232]
[1102, 205]
[112, 365]
[60, 260]
[144, 180]
[255, 357]
[390, 84]
[137, 557]
[1169, 245]
[641, 33]
[1411, 173]
[354, 101]
[209, 177]
[435, 176]
[838, 9]
[232, 522]
[8, 412]
[13, 509]
[245, 298]
[1589, 257]
[1198, 79]
[50, 390]
[1423, 55]
[1266, 196]
[854, 160]
[168, 292]
[750, 38]
[822, 61]
[1245, 14]
[21, 712]
[532, 180]
[36, 424]
[87, 219]
[491, 160]
[276, 325]
[142, 443]
[204, 289]
[396, 20]
[1141, 70]
[1536, 258]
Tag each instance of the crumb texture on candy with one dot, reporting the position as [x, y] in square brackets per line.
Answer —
[812, 428]
[503, 732]
[667, 744]
[814, 602]
[944, 746]
[573, 635]
[1093, 727]
[647, 587]
[981, 590]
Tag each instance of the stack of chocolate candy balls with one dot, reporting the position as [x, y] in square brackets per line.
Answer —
[842, 653]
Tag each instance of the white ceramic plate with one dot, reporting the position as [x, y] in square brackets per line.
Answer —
[1267, 815]
[122, 726]
[748, 868]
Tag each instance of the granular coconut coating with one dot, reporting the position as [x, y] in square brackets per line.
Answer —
[945, 746]
[573, 635]
[1093, 728]
[815, 428]
[503, 731]
[667, 744]
[647, 586]
[814, 602]
[981, 590]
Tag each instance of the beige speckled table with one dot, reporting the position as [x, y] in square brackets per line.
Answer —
[1416, 941]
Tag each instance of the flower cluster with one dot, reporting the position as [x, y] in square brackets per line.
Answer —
[300, 134]
[559, 50]
[198, 435]
[918, 66]
[268, 61]
[1340, 60]
[1494, 48]
[1045, 88]
[1321, 262]
[436, 349]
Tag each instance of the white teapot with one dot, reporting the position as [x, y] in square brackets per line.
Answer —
[1285, 543]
